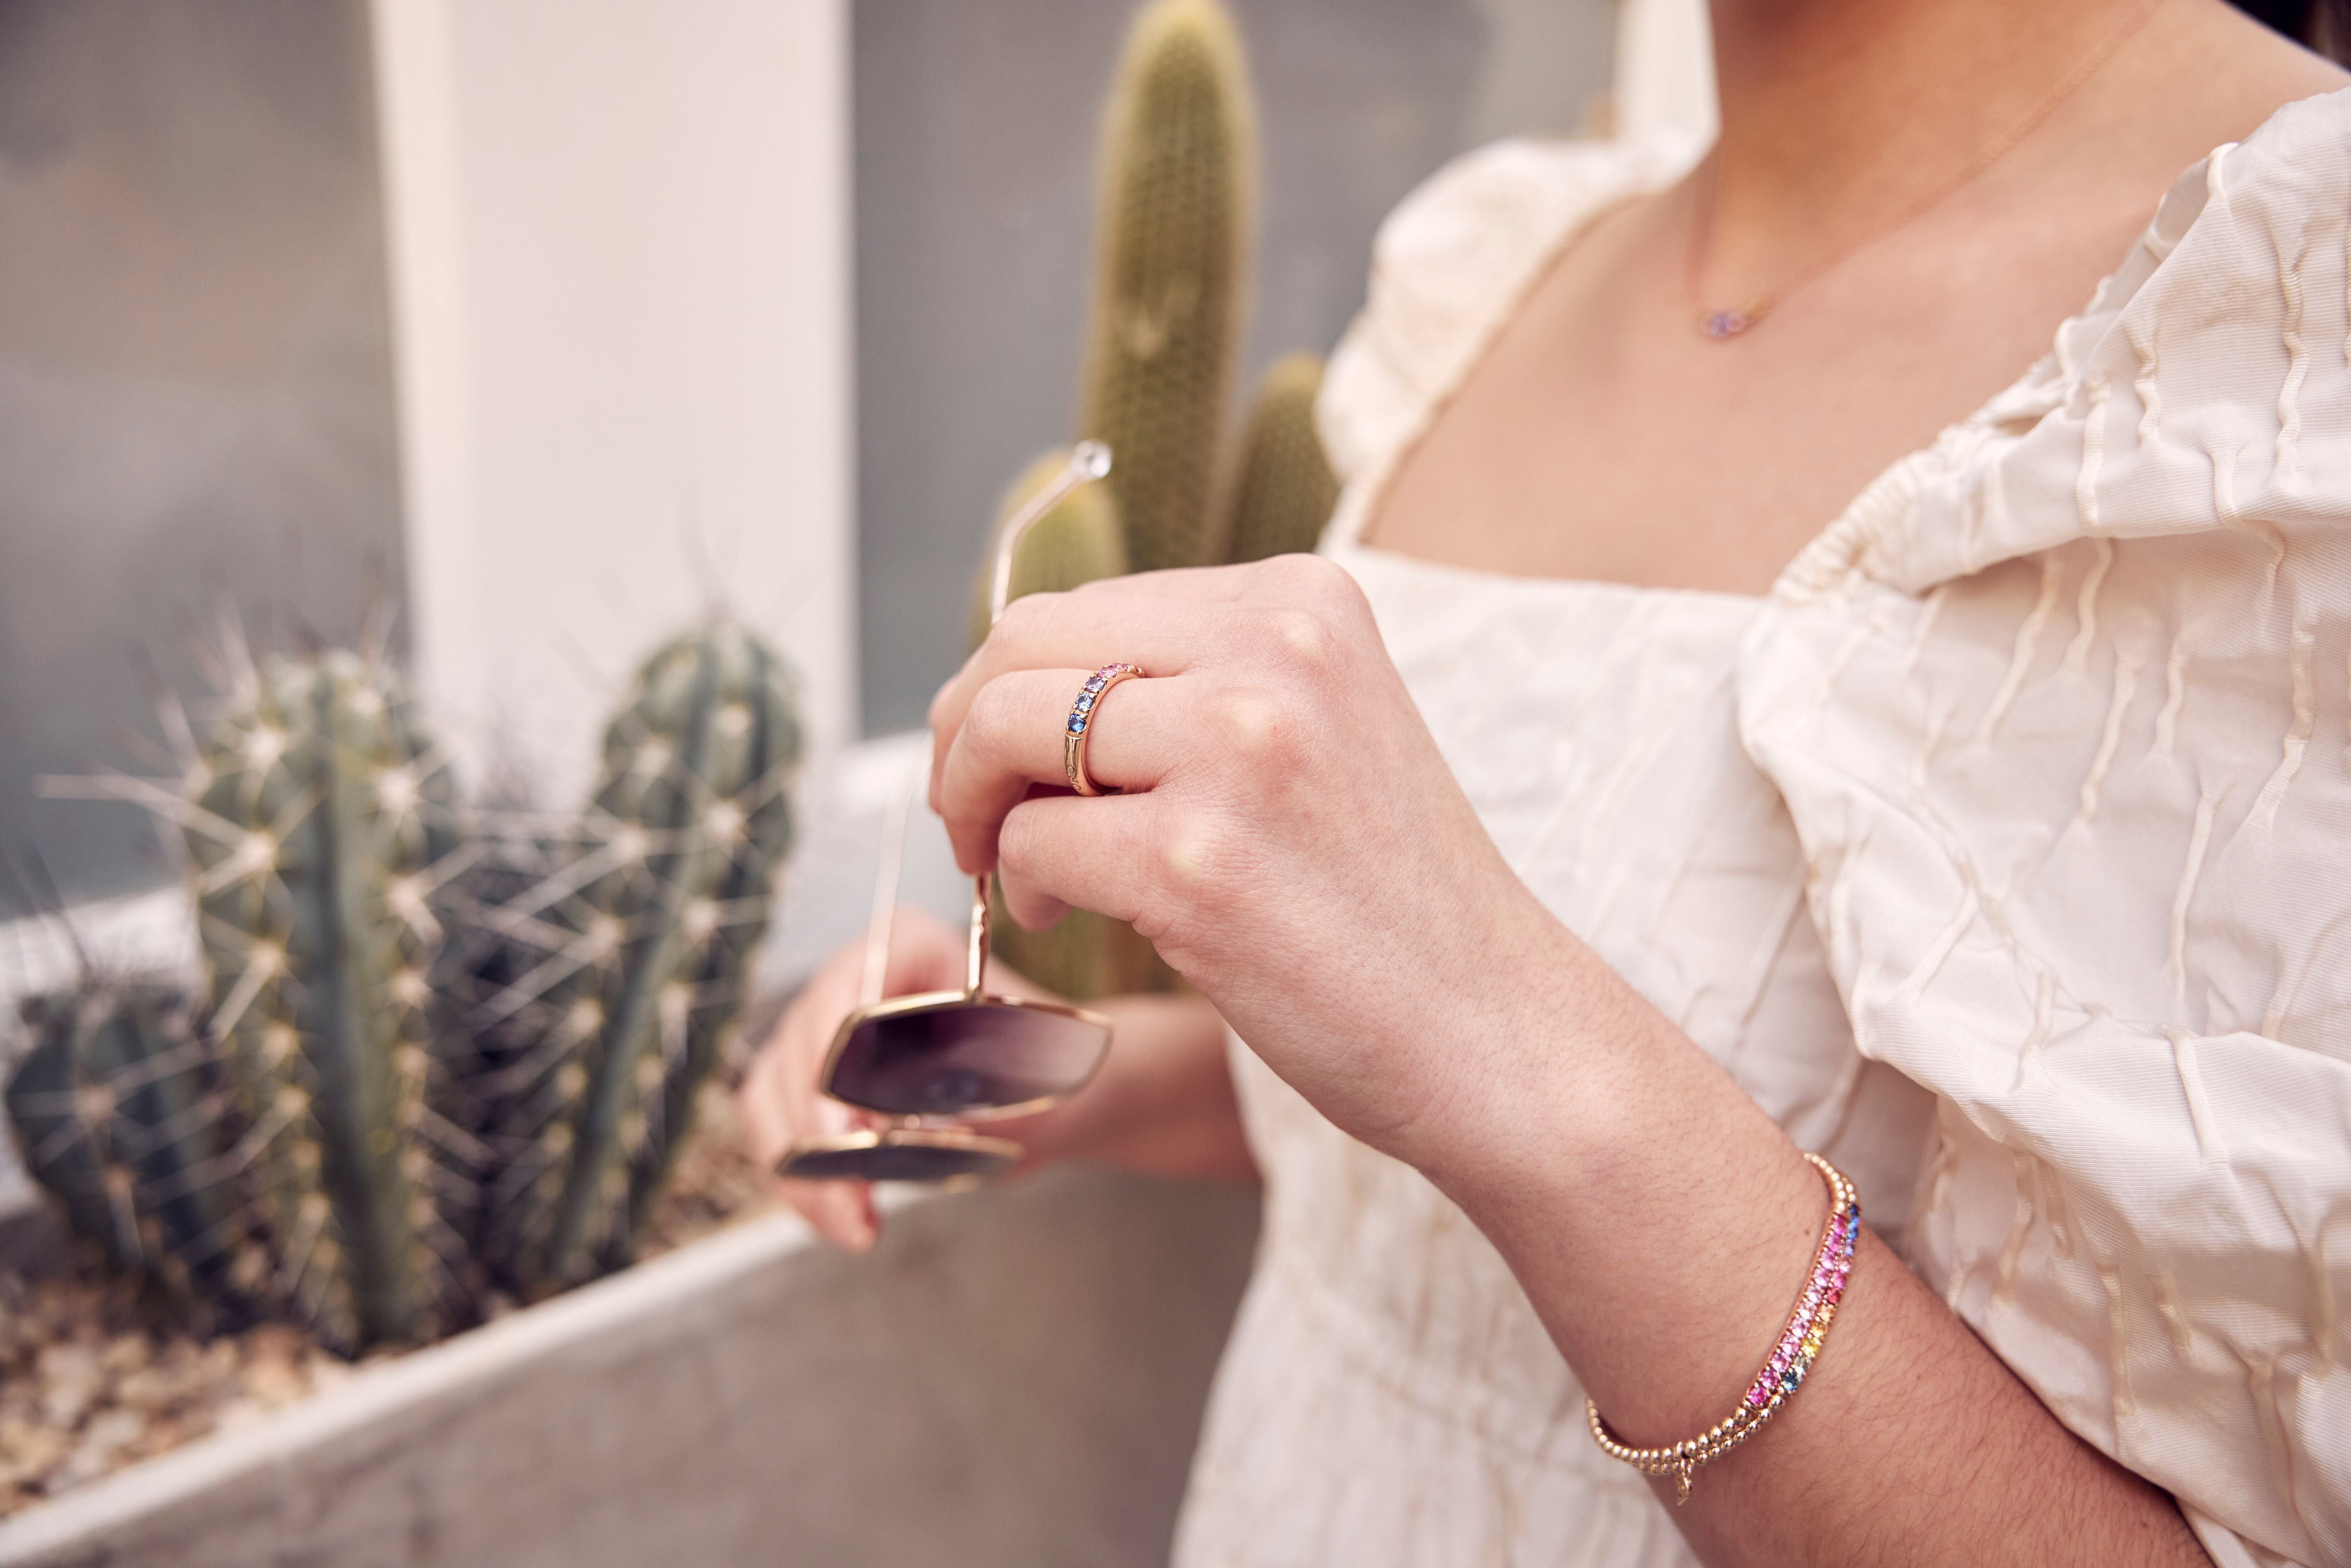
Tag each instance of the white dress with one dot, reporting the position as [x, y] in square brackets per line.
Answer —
[2002, 852]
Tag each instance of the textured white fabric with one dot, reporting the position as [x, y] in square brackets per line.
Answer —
[2043, 805]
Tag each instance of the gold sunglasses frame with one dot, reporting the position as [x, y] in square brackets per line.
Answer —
[1089, 461]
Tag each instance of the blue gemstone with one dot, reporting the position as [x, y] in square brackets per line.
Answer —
[1077, 726]
[1085, 703]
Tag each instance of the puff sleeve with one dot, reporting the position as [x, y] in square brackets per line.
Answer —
[2061, 708]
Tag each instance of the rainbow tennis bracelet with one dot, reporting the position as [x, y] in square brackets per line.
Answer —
[1790, 1360]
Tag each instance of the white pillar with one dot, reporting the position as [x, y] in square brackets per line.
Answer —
[619, 235]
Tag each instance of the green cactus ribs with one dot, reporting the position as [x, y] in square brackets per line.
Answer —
[1178, 177]
[1283, 488]
[690, 824]
[320, 831]
[119, 1106]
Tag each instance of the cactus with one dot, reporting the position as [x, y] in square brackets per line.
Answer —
[320, 832]
[521, 987]
[1078, 541]
[119, 1107]
[1085, 955]
[1179, 180]
[1283, 490]
[690, 823]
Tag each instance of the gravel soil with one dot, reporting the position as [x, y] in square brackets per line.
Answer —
[94, 1375]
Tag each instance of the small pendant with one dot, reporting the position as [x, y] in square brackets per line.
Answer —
[1727, 323]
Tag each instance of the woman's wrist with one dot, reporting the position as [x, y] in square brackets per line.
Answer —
[1629, 1180]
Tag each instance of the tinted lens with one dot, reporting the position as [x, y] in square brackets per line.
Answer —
[901, 1158]
[965, 1056]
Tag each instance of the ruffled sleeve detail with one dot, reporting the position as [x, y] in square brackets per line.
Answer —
[2061, 708]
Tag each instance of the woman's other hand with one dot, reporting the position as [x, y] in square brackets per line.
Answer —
[780, 1101]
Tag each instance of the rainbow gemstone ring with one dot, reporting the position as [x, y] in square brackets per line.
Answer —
[1082, 721]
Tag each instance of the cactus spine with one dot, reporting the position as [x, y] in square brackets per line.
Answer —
[321, 827]
[1283, 490]
[118, 1108]
[690, 822]
[1178, 177]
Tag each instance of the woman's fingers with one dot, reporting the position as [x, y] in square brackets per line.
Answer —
[1103, 855]
[1160, 635]
[1014, 737]
[780, 1101]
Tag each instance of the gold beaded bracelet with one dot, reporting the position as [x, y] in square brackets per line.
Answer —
[1790, 1360]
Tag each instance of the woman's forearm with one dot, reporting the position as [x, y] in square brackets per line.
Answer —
[1662, 1225]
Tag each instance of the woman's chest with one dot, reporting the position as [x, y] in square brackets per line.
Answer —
[1594, 727]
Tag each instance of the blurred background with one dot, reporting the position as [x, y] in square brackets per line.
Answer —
[531, 331]
[550, 322]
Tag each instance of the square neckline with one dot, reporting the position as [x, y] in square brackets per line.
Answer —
[1641, 171]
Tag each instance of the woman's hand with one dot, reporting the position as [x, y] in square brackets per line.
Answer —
[779, 1098]
[1290, 836]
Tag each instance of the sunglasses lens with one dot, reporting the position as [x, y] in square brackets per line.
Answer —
[900, 1156]
[966, 1056]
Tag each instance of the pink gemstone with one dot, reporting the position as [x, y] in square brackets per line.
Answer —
[1756, 1396]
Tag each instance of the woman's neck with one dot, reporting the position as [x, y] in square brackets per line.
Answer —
[1837, 113]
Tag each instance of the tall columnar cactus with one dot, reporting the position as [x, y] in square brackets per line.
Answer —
[320, 832]
[1283, 488]
[1076, 542]
[1179, 176]
[119, 1106]
[690, 823]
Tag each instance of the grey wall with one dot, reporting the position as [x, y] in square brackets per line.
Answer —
[975, 138]
[195, 392]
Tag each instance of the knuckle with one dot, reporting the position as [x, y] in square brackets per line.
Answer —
[1017, 847]
[1027, 617]
[1306, 641]
[1257, 727]
[991, 717]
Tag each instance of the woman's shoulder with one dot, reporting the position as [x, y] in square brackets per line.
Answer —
[1450, 260]
[2208, 382]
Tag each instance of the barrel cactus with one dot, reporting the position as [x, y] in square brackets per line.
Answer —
[690, 824]
[119, 1105]
[319, 830]
[1178, 193]
[1283, 488]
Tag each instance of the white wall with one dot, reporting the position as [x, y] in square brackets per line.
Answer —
[620, 246]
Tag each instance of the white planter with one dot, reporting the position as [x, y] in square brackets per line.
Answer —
[1015, 1378]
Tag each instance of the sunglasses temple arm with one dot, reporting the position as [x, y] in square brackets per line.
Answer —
[885, 883]
[975, 967]
[1088, 460]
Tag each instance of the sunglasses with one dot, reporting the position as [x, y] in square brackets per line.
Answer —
[950, 1056]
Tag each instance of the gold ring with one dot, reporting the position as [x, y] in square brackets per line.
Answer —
[1082, 722]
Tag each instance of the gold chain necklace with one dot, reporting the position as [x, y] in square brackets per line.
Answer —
[1721, 323]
